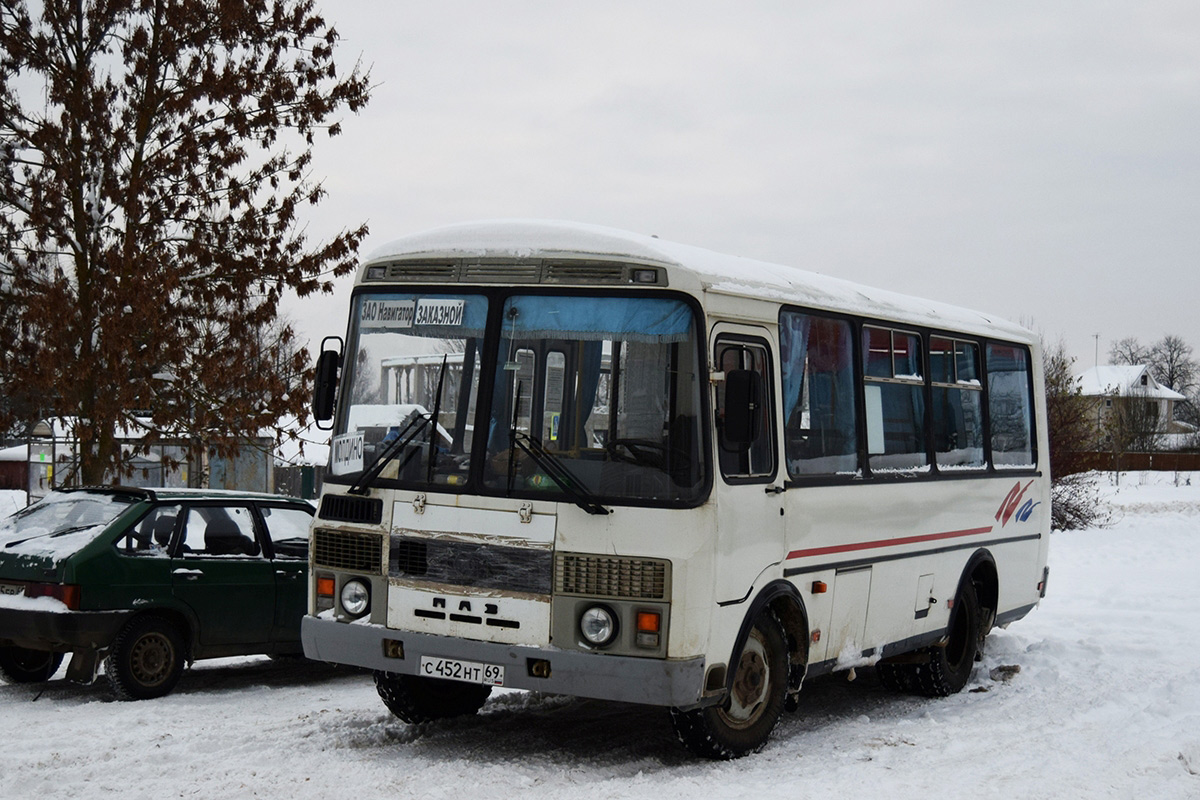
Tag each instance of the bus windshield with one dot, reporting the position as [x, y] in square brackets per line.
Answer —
[609, 387]
[593, 396]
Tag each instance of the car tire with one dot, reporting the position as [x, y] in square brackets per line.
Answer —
[742, 723]
[146, 660]
[23, 665]
[416, 699]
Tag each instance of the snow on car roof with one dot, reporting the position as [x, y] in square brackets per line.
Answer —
[716, 272]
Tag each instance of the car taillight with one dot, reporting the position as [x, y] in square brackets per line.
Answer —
[66, 592]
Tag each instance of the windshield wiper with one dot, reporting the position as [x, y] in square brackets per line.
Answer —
[558, 472]
[437, 409]
[390, 451]
[406, 436]
[52, 534]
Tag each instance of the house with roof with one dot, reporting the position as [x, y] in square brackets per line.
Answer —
[1129, 396]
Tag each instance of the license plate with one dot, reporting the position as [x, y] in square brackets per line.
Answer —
[467, 671]
[11, 589]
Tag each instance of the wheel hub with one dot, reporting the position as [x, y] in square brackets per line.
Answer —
[150, 658]
[750, 683]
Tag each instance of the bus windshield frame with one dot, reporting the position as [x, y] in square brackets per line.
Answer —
[538, 370]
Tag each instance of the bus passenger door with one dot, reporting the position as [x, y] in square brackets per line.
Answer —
[749, 492]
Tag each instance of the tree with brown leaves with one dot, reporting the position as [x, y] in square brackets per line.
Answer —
[154, 156]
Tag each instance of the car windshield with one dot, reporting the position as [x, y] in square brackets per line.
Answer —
[63, 514]
[607, 389]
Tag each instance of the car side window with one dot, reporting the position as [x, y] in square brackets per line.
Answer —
[151, 535]
[287, 528]
[224, 531]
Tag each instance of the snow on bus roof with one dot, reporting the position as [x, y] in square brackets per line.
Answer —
[717, 272]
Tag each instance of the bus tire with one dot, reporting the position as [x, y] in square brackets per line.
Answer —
[416, 699]
[23, 665]
[742, 723]
[950, 665]
[896, 677]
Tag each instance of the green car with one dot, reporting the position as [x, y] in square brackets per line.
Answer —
[146, 580]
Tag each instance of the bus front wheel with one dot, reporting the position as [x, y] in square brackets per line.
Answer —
[416, 699]
[742, 723]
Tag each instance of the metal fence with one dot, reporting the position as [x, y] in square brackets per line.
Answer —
[1163, 462]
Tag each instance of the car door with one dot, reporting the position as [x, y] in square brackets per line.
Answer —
[220, 571]
[287, 532]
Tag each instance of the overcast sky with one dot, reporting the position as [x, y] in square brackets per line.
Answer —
[1040, 161]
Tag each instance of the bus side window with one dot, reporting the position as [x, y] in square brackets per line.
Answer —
[747, 452]
[957, 404]
[1010, 407]
[819, 418]
[894, 395]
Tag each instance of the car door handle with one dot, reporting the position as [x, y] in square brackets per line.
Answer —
[189, 574]
[283, 573]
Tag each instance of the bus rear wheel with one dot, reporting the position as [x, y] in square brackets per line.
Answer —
[947, 667]
[743, 722]
[416, 699]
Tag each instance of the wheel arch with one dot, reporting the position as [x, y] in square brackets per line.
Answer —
[980, 571]
[782, 598]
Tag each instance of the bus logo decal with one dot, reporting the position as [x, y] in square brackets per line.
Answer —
[1012, 505]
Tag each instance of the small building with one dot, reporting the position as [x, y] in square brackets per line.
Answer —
[1133, 392]
[52, 461]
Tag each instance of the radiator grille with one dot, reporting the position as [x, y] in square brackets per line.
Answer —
[359, 552]
[344, 508]
[512, 569]
[607, 576]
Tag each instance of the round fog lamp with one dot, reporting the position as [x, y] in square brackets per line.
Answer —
[355, 598]
[597, 625]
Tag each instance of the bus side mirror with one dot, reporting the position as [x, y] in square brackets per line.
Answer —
[743, 406]
[325, 390]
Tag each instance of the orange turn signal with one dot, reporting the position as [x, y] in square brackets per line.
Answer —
[325, 587]
[648, 621]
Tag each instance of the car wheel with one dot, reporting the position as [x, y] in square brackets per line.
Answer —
[416, 699]
[146, 660]
[741, 724]
[22, 665]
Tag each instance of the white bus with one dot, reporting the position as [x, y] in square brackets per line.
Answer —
[646, 472]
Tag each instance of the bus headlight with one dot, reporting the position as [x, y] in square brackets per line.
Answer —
[598, 625]
[355, 598]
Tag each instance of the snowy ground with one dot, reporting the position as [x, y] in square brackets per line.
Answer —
[1106, 705]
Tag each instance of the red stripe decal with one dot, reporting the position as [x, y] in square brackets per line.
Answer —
[847, 548]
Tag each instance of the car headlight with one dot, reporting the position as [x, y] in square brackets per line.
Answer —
[598, 625]
[355, 598]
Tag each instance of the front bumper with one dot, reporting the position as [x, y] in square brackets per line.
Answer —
[651, 681]
[60, 631]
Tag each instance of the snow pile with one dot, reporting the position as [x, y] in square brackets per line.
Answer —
[1094, 695]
